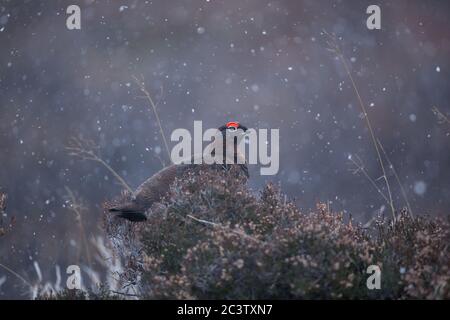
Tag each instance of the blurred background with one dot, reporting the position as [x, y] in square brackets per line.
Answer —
[263, 63]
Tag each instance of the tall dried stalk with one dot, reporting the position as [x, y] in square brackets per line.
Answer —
[87, 150]
[334, 47]
[16, 275]
[78, 208]
[397, 178]
[359, 168]
[152, 106]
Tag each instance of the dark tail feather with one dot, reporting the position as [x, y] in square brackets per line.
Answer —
[131, 215]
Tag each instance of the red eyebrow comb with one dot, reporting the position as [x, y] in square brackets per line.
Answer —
[233, 124]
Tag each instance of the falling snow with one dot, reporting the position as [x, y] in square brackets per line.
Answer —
[215, 61]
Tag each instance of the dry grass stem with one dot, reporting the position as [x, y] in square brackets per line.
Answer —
[397, 178]
[153, 107]
[16, 275]
[78, 207]
[334, 47]
[359, 167]
[87, 150]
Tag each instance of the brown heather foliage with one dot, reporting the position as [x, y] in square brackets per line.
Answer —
[213, 238]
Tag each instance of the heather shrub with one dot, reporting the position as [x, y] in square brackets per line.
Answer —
[416, 253]
[212, 237]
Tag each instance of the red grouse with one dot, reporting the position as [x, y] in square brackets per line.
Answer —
[155, 187]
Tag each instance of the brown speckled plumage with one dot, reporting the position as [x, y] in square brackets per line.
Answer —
[154, 188]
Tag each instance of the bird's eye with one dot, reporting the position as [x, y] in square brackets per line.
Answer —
[232, 129]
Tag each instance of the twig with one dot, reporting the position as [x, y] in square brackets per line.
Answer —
[217, 225]
[125, 294]
[360, 168]
[402, 189]
[141, 85]
[86, 150]
[335, 48]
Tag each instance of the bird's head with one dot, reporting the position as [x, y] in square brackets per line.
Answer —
[232, 134]
[233, 128]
